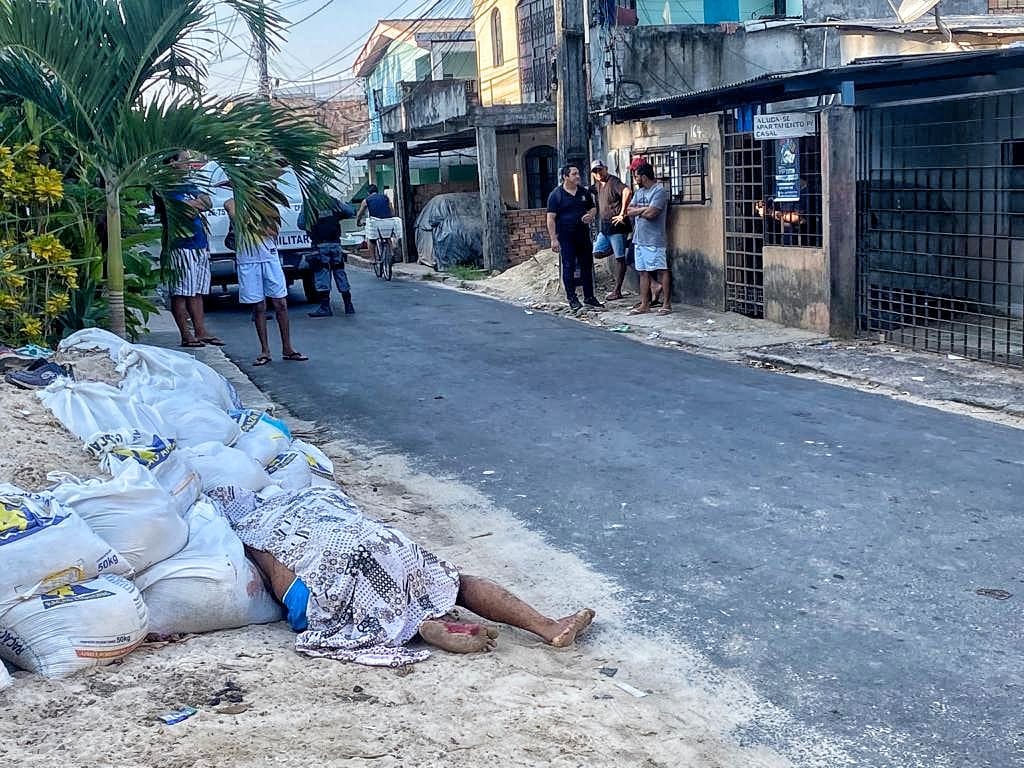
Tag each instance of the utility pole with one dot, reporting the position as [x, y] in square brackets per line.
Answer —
[571, 95]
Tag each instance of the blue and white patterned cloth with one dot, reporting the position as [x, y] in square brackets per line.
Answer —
[370, 586]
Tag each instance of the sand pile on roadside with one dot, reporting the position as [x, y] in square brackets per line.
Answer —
[538, 280]
[34, 441]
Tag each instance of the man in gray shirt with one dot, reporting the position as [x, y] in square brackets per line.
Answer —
[649, 209]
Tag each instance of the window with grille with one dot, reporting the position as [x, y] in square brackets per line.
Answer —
[683, 172]
[1006, 6]
[536, 23]
[798, 222]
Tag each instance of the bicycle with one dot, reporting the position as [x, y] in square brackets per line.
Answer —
[383, 257]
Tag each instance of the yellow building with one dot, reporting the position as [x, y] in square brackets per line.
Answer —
[515, 45]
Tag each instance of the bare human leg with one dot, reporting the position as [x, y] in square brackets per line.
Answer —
[620, 277]
[666, 292]
[194, 305]
[495, 603]
[259, 317]
[284, 327]
[645, 295]
[179, 311]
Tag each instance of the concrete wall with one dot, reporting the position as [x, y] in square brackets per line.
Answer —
[819, 10]
[858, 45]
[498, 84]
[695, 232]
[426, 104]
[512, 149]
[655, 62]
[527, 233]
[796, 287]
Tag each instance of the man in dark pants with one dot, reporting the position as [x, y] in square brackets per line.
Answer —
[571, 210]
[322, 221]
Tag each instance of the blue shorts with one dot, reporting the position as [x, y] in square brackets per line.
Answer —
[610, 244]
[649, 258]
[295, 600]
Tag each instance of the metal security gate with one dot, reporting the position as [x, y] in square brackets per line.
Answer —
[940, 225]
[744, 228]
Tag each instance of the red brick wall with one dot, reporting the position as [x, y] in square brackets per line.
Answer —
[527, 232]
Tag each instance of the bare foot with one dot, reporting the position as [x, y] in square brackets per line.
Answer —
[457, 637]
[570, 627]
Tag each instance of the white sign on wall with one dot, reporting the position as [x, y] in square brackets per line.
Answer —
[784, 125]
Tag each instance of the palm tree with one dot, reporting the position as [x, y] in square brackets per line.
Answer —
[123, 78]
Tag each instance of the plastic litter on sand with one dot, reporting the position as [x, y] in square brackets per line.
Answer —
[171, 718]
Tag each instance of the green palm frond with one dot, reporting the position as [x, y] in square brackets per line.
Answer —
[88, 64]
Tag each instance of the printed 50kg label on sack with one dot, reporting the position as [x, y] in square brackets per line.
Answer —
[115, 648]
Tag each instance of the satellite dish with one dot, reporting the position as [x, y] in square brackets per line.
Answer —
[911, 10]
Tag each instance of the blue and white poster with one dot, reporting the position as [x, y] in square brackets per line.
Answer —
[787, 171]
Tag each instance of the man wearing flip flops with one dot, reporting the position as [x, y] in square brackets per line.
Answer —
[649, 209]
[189, 259]
[260, 277]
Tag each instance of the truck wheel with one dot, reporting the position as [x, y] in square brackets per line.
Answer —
[309, 289]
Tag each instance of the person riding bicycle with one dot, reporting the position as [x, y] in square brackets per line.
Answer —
[381, 222]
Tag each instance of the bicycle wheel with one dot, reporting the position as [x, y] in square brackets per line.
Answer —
[386, 259]
[377, 258]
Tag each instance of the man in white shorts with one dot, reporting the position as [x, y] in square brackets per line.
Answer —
[260, 277]
[649, 209]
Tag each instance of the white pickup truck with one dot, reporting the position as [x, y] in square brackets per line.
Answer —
[293, 244]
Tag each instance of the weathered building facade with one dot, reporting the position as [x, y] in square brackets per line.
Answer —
[827, 240]
[504, 115]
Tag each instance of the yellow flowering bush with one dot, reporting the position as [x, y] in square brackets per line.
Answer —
[37, 271]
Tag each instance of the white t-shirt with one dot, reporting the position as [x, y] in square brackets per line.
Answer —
[263, 252]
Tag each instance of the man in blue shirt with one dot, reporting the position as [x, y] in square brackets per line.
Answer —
[376, 206]
[187, 259]
[571, 211]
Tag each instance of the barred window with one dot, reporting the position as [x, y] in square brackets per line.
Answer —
[683, 171]
[806, 227]
[1006, 6]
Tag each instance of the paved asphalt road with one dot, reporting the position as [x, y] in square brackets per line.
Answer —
[824, 542]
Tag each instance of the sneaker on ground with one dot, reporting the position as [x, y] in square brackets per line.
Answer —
[38, 376]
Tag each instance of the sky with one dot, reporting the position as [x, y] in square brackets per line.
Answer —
[312, 46]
